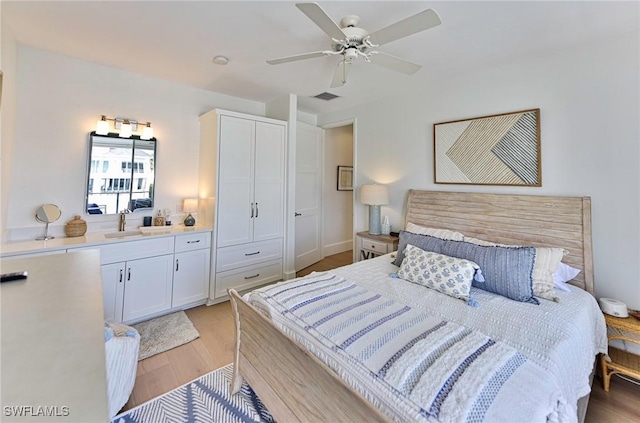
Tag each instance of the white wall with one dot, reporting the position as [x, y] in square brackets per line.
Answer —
[59, 100]
[338, 205]
[590, 105]
[8, 64]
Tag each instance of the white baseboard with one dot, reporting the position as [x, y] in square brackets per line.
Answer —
[338, 247]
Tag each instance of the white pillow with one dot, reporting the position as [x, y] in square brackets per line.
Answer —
[437, 233]
[563, 275]
[449, 275]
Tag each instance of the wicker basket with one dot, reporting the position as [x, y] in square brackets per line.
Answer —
[75, 227]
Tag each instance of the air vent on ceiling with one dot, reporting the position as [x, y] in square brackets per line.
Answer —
[326, 96]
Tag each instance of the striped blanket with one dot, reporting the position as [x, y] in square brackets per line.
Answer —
[411, 365]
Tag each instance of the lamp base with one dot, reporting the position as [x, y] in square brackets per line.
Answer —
[374, 220]
[189, 220]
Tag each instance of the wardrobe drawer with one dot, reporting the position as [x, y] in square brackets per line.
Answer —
[193, 241]
[248, 277]
[229, 258]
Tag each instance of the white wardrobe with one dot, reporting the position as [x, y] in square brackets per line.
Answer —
[242, 188]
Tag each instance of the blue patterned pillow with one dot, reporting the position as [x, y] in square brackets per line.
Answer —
[425, 242]
[508, 271]
[448, 275]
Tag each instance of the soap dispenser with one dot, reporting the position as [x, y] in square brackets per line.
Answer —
[159, 220]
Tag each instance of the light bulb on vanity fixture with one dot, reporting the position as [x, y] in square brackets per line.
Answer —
[374, 195]
[125, 126]
[190, 205]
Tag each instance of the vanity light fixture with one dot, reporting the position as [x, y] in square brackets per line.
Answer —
[126, 127]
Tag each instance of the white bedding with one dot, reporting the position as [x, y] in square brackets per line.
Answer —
[562, 338]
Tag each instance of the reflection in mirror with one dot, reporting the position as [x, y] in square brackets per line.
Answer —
[47, 213]
[121, 174]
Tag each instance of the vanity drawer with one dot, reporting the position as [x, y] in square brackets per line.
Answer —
[132, 250]
[193, 241]
[376, 246]
[248, 277]
[228, 258]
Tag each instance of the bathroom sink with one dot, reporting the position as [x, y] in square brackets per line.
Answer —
[121, 234]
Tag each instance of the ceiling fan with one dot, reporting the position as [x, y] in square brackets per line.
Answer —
[351, 42]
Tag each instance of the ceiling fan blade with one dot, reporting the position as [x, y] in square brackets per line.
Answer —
[320, 18]
[409, 26]
[395, 63]
[341, 73]
[296, 57]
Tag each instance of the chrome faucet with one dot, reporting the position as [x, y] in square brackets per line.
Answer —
[123, 221]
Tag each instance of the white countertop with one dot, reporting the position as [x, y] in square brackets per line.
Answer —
[52, 342]
[90, 238]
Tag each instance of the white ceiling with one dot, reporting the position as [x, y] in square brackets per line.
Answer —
[176, 40]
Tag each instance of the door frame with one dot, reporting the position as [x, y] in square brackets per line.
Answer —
[337, 124]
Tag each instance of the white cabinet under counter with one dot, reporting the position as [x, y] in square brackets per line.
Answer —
[142, 276]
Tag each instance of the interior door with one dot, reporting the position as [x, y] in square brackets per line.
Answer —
[308, 221]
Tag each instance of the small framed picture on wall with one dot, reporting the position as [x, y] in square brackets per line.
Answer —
[345, 178]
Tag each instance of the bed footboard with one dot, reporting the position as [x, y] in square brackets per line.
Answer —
[292, 383]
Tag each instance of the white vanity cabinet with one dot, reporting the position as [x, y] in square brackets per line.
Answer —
[137, 278]
[243, 166]
[144, 278]
[191, 269]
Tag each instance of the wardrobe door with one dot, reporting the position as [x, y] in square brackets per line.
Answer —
[269, 181]
[235, 184]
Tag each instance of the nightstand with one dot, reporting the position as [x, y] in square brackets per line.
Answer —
[622, 362]
[371, 246]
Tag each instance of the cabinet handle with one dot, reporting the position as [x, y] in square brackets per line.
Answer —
[297, 214]
[373, 247]
[252, 254]
[257, 211]
[252, 210]
[177, 265]
[193, 242]
[129, 274]
[120, 275]
[251, 277]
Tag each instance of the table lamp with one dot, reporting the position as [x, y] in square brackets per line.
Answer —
[374, 195]
[190, 205]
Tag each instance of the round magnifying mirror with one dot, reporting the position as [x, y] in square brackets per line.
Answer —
[47, 213]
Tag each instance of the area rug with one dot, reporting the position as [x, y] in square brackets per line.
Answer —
[205, 400]
[165, 332]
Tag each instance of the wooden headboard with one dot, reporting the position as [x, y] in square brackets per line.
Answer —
[542, 221]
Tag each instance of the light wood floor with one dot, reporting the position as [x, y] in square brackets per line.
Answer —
[214, 349]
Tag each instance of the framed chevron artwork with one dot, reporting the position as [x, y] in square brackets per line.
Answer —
[499, 149]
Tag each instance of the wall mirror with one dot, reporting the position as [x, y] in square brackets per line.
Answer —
[121, 174]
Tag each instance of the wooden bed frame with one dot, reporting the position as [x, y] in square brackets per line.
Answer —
[295, 386]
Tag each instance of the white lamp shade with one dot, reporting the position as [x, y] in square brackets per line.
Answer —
[190, 205]
[102, 127]
[125, 130]
[374, 195]
[147, 133]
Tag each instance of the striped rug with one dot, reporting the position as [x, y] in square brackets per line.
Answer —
[205, 399]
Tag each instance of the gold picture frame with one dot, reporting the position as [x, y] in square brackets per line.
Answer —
[345, 178]
[502, 149]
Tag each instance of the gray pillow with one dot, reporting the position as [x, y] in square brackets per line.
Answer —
[507, 271]
[425, 242]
